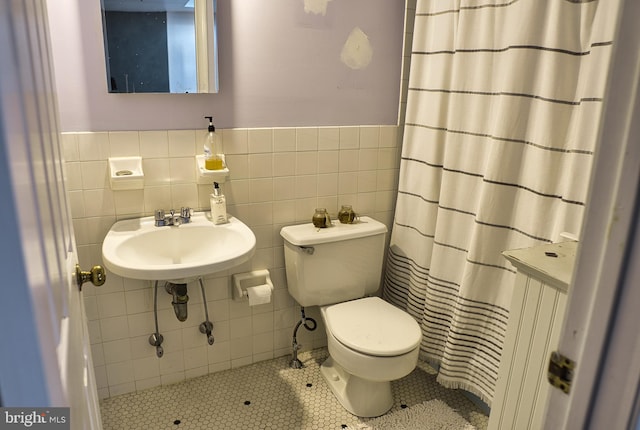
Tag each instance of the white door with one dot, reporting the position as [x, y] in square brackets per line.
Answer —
[45, 359]
[600, 331]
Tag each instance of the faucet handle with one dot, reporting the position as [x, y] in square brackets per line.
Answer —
[159, 217]
[186, 212]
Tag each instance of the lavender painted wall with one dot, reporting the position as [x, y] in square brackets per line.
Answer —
[279, 66]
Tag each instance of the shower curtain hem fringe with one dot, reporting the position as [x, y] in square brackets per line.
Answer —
[460, 385]
[454, 385]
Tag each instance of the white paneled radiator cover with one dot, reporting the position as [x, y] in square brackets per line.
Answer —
[535, 321]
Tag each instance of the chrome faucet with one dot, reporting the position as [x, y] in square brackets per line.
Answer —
[173, 218]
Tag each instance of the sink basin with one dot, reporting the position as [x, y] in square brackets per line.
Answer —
[137, 249]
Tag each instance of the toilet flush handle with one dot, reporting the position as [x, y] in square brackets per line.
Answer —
[307, 249]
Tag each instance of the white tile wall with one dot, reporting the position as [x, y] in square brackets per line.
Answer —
[278, 177]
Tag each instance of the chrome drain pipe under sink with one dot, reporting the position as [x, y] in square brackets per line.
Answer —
[180, 299]
[179, 302]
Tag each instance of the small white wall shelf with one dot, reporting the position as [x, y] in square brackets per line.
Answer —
[125, 173]
[209, 176]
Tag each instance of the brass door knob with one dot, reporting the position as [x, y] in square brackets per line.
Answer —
[96, 276]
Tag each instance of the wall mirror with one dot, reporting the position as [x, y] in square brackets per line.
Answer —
[160, 46]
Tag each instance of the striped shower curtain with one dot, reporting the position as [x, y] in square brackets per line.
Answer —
[501, 125]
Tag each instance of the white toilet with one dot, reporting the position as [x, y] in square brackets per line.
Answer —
[370, 341]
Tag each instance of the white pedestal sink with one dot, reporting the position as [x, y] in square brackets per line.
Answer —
[137, 249]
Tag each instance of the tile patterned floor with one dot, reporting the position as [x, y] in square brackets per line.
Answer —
[267, 395]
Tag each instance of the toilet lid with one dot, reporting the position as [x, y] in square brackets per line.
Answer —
[373, 326]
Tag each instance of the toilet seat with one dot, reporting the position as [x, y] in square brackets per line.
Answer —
[372, 326]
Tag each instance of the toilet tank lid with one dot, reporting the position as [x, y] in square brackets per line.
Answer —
[308, 234]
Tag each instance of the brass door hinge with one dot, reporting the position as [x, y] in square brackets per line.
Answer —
[560, 372]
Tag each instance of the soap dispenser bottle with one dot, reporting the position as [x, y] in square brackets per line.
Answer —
[218, 205]
[212, 158]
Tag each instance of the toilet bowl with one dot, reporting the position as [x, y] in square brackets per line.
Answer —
[371, 343]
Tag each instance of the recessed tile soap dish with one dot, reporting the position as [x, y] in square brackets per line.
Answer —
[125, 173]
[209, 176]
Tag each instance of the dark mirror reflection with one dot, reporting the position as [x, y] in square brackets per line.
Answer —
[152, 46]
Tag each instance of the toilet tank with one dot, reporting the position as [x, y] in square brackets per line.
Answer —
[335, 264]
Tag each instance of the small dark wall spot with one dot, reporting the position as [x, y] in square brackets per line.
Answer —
[247, 402]
[176, 422]
[403, 406]
[309, 385]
